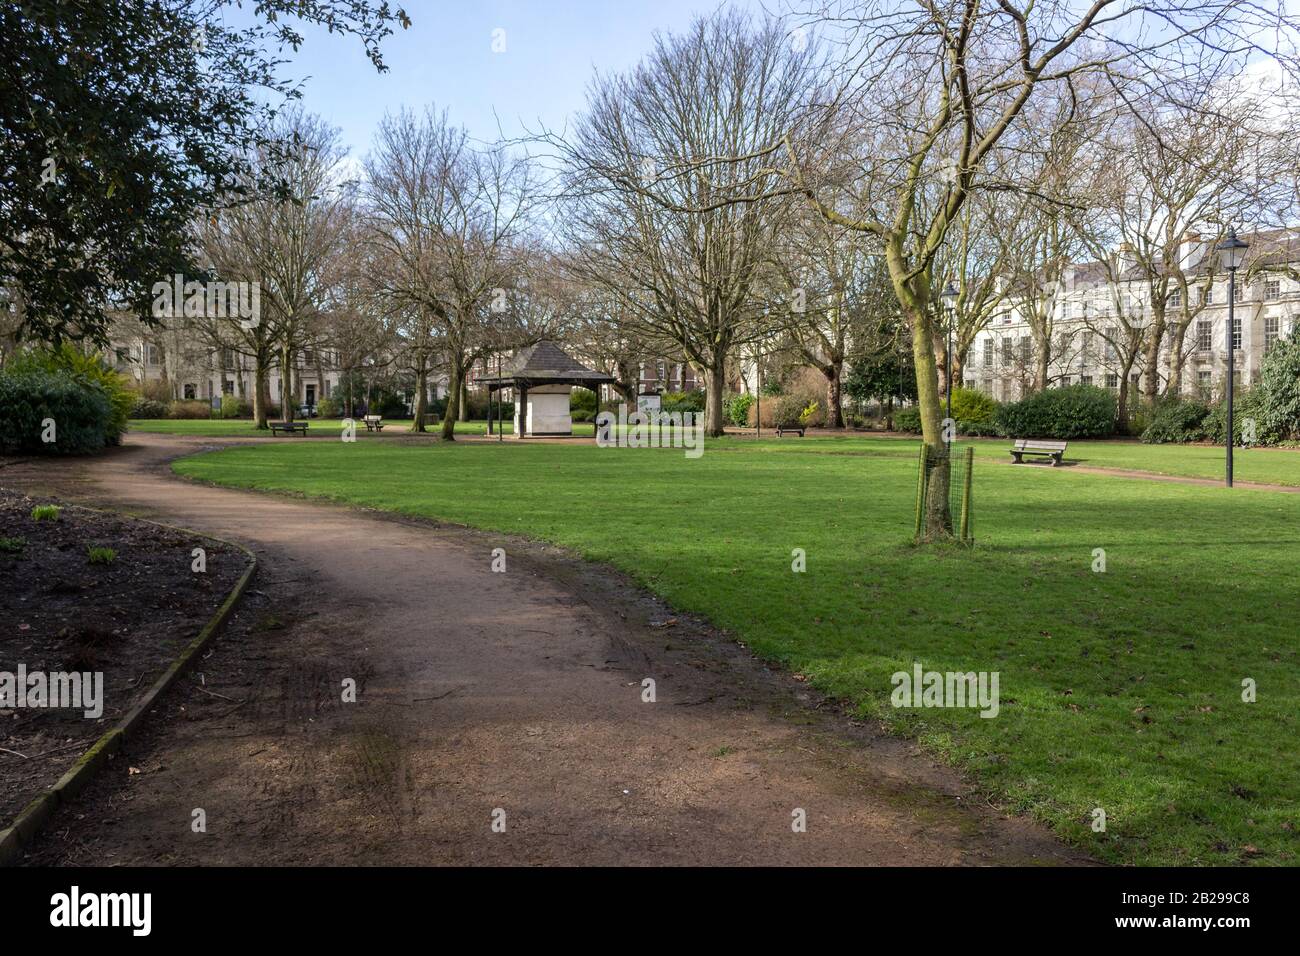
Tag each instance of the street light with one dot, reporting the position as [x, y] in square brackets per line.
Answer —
[1232, 254]
[949, 296]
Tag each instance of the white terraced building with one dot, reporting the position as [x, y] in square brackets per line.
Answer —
[1093, 317]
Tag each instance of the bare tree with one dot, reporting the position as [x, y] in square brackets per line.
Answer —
[943, 87]
[285, 241]
[654, 174]
[444, 214]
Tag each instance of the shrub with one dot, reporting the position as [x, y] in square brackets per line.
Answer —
[582, 405]
[101, 555]
[786, 410]
[682, 402]
[811, 415]
[89, 371]
[188, 408]
[46, 513]
[974, 412]
[1277, 403]
[908, 420]
[737, 409]
[1176, 420]
[146, 407]
[329, 408]
[12, 545]
[81, 412]
[1076, 411]
[1244, 405]
[233, 406]
[390, 405]
[158, 389]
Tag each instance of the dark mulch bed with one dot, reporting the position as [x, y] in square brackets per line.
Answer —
[58, 612]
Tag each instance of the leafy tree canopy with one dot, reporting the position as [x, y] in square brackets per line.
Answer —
[120, 120]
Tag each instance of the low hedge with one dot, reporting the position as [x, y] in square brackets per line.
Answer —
[1075, 411]
[1176, 421]
[188, 408]
[682, 401]
[146, 407]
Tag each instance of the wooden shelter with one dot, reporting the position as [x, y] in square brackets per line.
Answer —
[542, 377]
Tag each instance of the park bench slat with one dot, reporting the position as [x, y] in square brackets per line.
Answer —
[1054, 450]
[287, 428]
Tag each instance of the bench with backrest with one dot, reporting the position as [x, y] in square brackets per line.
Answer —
[789, 428]
[1054, 450]
[374, 423]
[288, 428]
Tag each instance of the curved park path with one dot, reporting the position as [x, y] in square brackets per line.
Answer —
[478, 690]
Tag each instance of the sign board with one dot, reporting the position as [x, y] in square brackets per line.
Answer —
[648, 403]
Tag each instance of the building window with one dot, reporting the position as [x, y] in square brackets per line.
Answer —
[1175, 299]
[1271, 328]
[988, 386]
[228, 387]
[191, 392]
[1111, 335]
[1236, 332]
[154, 354]
[1006, 350]
[1207, 296]
[1204, 383]
[1085, 379]
[1238, 291]
[1112, 380]
[1204, 331]
[988, 352]
[1273, 289]
[1024, 349]
[1086, 350]
[1065, 381]
[1136, 379]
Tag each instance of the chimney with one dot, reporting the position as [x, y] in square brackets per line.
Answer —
[1190, 250]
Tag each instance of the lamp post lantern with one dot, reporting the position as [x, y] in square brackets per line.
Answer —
[1232, 254]
[949, 296]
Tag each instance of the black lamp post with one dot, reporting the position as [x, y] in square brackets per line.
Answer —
[1232, 253]
[949, 296]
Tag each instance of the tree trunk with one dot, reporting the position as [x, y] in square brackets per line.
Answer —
[1042, 360]
[1174, 386]
[1151, 359]
[421, 390]
[714, 378]
[834, 414]
[453, 400]
[261, 391]
[1121, 410]
[913, 294]
[937, 522]
[462, 410]
[286, 383]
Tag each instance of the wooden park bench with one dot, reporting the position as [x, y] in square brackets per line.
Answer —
[1054, 450]
[374, 423]
[278, 428]
[789, 428]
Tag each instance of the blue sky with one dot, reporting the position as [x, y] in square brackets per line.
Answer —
[446, 58]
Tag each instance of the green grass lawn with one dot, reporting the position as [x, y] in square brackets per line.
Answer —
[1119, 690]
[1274, 466]
[242, 428]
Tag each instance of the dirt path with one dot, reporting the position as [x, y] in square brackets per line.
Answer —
[479, 690]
